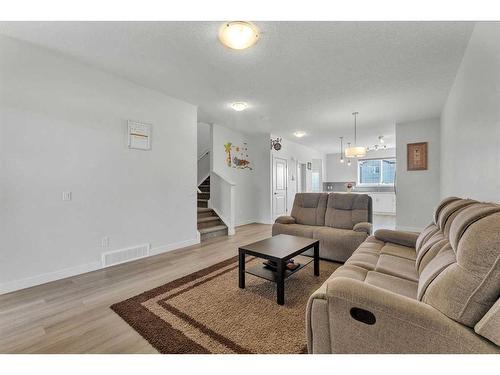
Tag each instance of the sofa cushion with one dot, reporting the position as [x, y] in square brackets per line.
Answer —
[399, 251]
[366, 258]
[294, 230]
[343, 210]
[392, 283]
[447, 211]
[397, 266]
[468, 288]
[337, 244]
[309, 208]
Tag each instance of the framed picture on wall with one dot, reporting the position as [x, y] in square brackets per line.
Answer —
[417, 156]
[309, 165]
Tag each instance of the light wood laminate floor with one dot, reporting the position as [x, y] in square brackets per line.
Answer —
[73, 315]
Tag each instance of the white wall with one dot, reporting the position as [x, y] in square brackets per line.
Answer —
[341, 172]
[62, 128]
[296, 153]
[203, 138]
[204, 141]
[470, 121]
[417, 192]
[252, 195]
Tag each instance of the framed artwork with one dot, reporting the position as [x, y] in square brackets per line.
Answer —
[139, 135]
[417, 156]
[309, 165]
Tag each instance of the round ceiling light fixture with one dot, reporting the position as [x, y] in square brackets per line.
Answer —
[239, 106]
[299, 134]
[238, 34]
[355, 151]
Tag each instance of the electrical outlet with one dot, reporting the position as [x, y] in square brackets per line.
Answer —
[105, 242]
[66, 195]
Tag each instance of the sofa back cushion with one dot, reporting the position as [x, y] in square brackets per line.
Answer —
[458, 260]
[309, 208]
[343, 210]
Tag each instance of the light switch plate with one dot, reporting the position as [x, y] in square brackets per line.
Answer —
[66, 195]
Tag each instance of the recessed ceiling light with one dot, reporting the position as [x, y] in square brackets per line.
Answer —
[238, 34]
[299, 134]
[239, 106]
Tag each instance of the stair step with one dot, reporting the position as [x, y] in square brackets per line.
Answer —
[202, 200]
[207, 219]
[212, 229]
[205, 209]
[212, 232]
[209, 224]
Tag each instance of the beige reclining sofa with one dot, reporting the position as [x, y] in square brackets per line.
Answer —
[401, 292]
[340, 221]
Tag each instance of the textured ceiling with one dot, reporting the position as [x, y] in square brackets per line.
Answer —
[300, 75]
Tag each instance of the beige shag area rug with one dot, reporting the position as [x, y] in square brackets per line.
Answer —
[206, 312]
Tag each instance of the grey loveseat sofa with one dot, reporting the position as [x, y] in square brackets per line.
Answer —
[401, 292]
[340, 221]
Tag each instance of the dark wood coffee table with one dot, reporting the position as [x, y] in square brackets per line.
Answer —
[278, 249]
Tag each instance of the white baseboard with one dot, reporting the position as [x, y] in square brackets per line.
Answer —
[174, 246]
[245, 222]
[265, 221]
[28, 282]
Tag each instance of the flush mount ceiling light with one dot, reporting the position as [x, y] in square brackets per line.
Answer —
[299, 134]
[355, 151]
[239, 106]
[238, 34]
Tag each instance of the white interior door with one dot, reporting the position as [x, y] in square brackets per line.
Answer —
[279, 186]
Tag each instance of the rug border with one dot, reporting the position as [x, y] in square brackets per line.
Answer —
[161, 335]
[158, 333]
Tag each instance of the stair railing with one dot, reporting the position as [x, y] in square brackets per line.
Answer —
[203, 166]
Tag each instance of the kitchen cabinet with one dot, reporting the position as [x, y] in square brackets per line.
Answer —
[383, 203]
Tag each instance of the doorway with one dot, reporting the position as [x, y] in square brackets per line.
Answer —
[280, 179]
[301, 178]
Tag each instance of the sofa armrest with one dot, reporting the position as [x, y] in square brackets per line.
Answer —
[384, 322]
[285, 220]
[396, 236]
[363, 227]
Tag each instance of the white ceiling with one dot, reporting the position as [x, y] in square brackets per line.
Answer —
[299, 76]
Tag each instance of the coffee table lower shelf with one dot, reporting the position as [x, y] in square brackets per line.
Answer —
[270, 275]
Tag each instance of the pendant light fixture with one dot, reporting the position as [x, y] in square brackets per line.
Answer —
[341, 149]
[355, 151]
[348, 160]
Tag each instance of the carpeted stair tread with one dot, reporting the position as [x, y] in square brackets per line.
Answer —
[204, 209]
[206, 219]
[212, 229]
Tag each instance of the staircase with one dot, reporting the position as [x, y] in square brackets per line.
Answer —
[209, 224]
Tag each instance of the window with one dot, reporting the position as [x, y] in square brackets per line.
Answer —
[376, 171]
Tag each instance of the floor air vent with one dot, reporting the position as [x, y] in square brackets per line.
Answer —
[111, 258]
